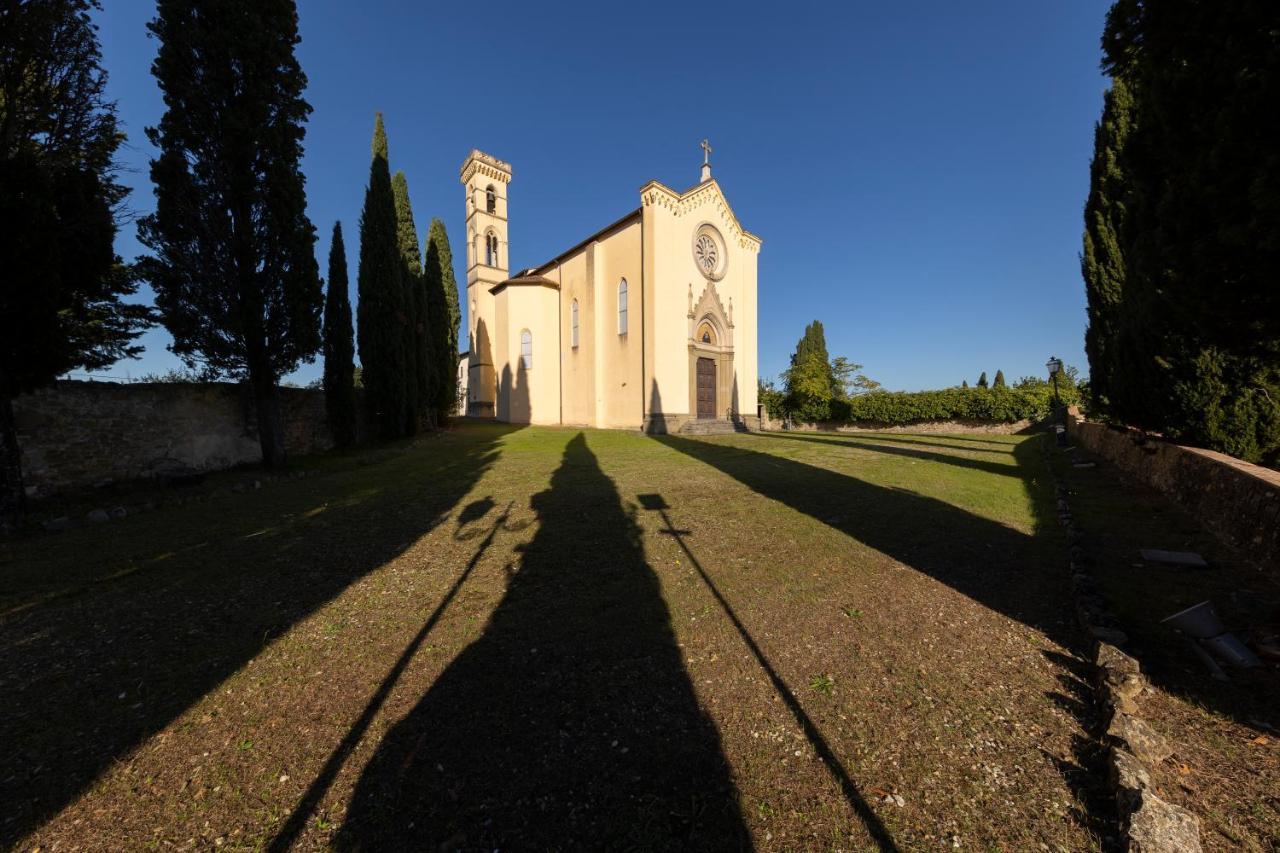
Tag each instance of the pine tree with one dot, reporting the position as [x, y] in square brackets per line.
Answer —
[339, 348]
[982, 380]
[234, 268]
[381, 314]
[810, 381]
[445, 317]
[419, 365]
[61, 293]
[999, 380]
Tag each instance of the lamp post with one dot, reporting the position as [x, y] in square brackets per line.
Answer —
[1054, 364]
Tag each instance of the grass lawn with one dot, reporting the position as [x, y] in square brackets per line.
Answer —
[556, 638]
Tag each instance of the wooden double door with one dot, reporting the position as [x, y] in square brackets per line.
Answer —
[706, 388]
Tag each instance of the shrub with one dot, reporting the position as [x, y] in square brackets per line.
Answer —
[1000, 405]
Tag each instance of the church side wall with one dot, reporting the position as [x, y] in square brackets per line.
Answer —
[533, 395]
[579, 365]
[618, 257]
[669, 391]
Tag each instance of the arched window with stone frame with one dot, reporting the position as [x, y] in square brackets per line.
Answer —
[491, 249]
[622, 307]
[526, 349]
[573, 324]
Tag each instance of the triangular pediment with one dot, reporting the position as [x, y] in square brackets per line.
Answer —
[707, 193]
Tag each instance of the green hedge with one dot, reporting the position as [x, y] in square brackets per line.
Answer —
[1000, 405]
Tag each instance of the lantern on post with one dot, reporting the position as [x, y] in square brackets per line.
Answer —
[1054, 366]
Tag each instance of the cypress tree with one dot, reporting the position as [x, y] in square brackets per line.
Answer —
[964, 383]
[810, 380]
[339, 348]
[999, 380]
[419, 366]
[1102, 262]
[1192, 346]
[61, 293]
[381, 314]
[982, 380]
[445, 317]
[234, 268]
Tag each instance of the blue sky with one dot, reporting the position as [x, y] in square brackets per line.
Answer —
[917, 170]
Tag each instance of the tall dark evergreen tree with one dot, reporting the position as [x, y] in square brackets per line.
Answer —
[982, 380]
[381, 314]
[339, 348]
[1102, 262]
[234, 267]
[1190, 344]
[445, 317]
[810, 381]
[998, 382]
[420, 375]
[61, 292]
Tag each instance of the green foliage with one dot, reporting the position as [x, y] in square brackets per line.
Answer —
[773, 400]
[62, 294]
[420, 376]
[999, 380]
[381, 313]
[982, 380]
[445, 316]
[810, 382]
[234, 267]
[849, 380]
[339, 348]
[1000, 405]
[964, 383]
[1182, 226]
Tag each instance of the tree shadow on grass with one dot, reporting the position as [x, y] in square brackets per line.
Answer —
[89, 676]
[989, 562]
[571, 723]
[1005, 448]
[990, 467]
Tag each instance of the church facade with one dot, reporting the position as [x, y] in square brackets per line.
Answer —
[650, 323]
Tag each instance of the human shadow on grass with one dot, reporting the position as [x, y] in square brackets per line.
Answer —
[571, 723]
[90, 676]
[988, 466]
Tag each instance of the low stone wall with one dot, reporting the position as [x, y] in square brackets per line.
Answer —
[1238, 501]
[769, 423]
[77, 435]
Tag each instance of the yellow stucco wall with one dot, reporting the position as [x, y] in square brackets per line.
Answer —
[527, 395]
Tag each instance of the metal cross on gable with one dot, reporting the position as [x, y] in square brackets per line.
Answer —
[706, 152]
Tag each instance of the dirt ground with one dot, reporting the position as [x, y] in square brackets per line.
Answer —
[561, 639]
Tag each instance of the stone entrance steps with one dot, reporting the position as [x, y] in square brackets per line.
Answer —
[712, 427]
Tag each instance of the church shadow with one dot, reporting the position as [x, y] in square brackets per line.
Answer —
[989, 562]
[98, 671]
[852, 438]
[571, 723]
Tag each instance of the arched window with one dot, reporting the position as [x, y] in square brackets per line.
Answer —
[490, 199]
[706, 336]
[526, 349]
[491, 249]
[622, 307]
[573, 324]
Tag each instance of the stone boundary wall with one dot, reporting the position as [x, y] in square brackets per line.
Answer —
[958, 425]
[76, 435]
[1238, 501]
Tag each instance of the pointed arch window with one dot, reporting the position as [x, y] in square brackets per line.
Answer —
[622, 307]
[526, 349]
[490, 199]
[491, 249]
[573, 324]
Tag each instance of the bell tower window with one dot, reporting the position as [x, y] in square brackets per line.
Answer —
[491, 249]
[490, 199]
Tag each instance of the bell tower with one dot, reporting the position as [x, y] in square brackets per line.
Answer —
[485, 178]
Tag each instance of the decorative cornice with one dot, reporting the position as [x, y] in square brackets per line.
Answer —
[656, 193]
[710, 307]
[487, 165]
[525, 281]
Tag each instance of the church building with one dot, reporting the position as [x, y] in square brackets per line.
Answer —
[649, 323]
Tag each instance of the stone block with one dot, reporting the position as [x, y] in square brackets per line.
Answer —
[1139, 738]
[1129, 779]
[1159, 827]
